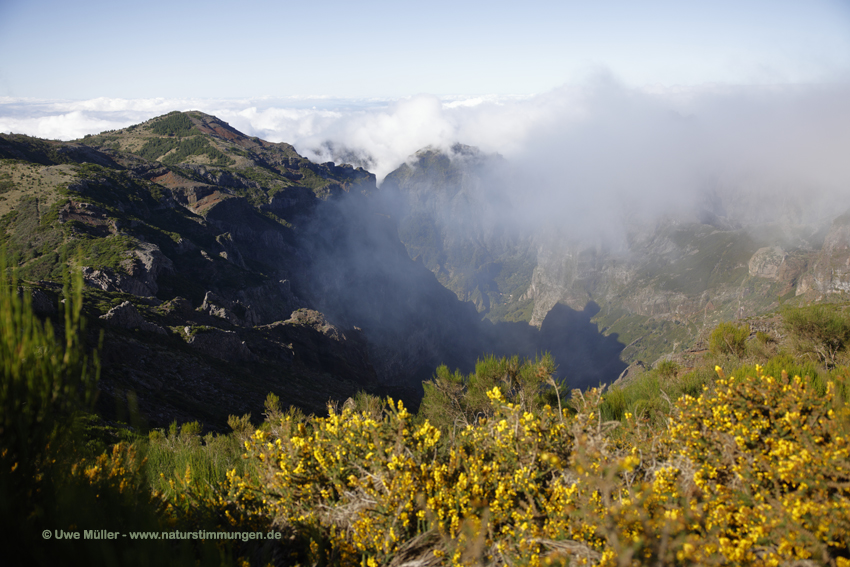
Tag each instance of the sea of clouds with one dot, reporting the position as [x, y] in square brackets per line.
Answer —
[585, 153]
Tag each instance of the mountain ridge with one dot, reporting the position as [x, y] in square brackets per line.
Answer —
[247, 268]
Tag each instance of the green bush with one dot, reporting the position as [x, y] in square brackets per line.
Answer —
[822, 330]
[729, 338]
[667, 369]
[453, 400]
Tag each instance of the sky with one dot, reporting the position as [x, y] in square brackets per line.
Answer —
[258, 48]
[651, 97]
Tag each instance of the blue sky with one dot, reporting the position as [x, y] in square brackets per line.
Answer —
[82, 50]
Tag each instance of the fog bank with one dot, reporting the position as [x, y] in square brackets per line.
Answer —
[578, 156]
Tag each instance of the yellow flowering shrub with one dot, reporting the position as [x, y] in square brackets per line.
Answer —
[752, 472]
[501, 488]
[772, 465]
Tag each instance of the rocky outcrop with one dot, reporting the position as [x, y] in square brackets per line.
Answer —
[767, 262]
[94, 218]
[315, 321]
[224, 345]
[126, 316]
[141, 270]
[233, 312]
[831, 270]
[147, 263]
[318, 344]
[259, 305]
[270, 302]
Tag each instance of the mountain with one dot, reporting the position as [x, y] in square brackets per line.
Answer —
[199, 245]
[453, 223]
[667, 282]
[220, 267]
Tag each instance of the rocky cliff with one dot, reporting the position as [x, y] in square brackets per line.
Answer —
[221, 267]
[657, 288]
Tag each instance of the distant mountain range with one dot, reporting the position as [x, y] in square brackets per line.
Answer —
[221, 267]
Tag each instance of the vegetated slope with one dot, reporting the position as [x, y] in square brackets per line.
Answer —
[452, 222]
[258, 272]
[202, 252]
[670, 279]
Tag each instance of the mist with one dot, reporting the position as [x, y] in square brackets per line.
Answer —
[588, 159]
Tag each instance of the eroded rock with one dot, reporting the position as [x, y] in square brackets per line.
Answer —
[126, 316]
[224, 345]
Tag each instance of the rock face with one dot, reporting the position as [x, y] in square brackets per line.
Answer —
[146, 266]
[126, 316]
[224, 345]
[831, 270]
[767, 262]
[141, 270]
[233, 312]
[317, 343]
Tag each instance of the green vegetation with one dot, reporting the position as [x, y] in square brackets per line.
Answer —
[453, 400]
[822, 331]
[6, 183]
[197, 146]
[32, 240]
[156, 148]
[729, 338]
[174, 124]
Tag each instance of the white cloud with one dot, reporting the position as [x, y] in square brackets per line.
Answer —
[578, 153]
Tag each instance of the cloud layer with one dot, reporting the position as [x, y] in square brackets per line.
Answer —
[578, 154]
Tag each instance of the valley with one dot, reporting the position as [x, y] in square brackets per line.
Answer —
[220, 267]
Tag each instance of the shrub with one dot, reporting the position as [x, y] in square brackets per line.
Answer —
[819, 330]
[45, 381]
[729, 338]
[454, 400]
[667, 369]
[770, 458]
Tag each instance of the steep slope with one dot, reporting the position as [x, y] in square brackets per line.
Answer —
[202, 251]
[221, 267]
[670, 279]
[455, 225]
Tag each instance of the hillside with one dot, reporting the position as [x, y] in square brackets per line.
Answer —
[205, 254]
[222, 267]
[247, 269]
[669, 280]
